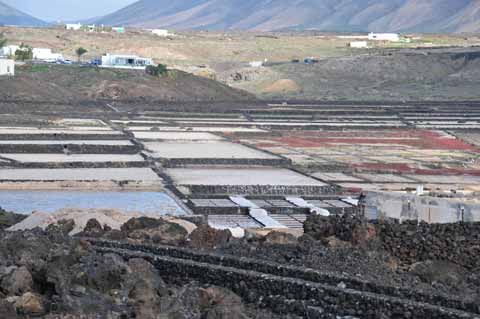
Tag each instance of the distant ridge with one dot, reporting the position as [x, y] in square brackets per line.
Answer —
[12, 16]
[323, 15]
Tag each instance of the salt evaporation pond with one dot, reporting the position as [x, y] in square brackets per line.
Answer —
[24, 202]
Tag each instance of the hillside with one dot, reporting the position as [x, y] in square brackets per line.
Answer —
[56, 83]
[397, 75]
[325, 15]
[12, 16]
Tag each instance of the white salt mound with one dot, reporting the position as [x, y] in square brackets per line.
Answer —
[110, 217]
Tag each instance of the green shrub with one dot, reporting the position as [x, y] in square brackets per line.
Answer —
[39, 68]
[25, 52]
[159, 70]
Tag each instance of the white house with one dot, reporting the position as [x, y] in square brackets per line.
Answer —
[9, 50]
[7, 67]
[73, 26]
[393, 37]
[125, 62]
[46, 55]
[161, 32]
[358, 44]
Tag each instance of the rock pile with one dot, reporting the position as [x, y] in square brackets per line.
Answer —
[8, 219]
[346, 228]
[50, 275]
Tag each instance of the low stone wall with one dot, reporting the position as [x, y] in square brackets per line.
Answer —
[80, 164]
[292, 295]
[55, 136]
[262, 189]
[202, 210]
[411, 242]
[272, 268]
[73, 148]
[179, 162]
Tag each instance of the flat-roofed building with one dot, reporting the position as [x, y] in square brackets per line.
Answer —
[125, 62]
[73, 26]
[393, 37]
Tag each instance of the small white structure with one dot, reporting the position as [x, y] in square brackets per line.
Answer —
[125, 62]
[118, 29]
[73, 26]
[359, 44]
[256, 64]
[9, 50]
[46, 55]
[392, 37]
[91, 28]
[161, 32]
[7, 67]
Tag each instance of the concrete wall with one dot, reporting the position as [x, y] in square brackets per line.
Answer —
[421, 208]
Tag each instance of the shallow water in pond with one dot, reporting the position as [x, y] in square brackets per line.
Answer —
[24, 202]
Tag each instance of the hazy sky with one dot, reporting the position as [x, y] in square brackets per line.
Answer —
[54, 10]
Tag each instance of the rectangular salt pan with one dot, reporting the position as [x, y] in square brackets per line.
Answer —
[79, 174]
[72, 142]
[240, 176]
[73, 158]
[175, 136]
[57, 131]
[204, 150]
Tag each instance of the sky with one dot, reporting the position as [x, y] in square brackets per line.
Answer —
[67, 10]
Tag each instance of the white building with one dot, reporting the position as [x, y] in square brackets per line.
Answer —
[256, 64]
[161, 32]
[358, 44]
[118, 29]
[46, 55]
[393, 37]
[9, 50]
[73, 26]
[125, 62]
[7, 67]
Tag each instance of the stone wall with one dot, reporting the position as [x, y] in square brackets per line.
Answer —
[287, 271]
[409, 241]
[179, 162]
[73, 148]
[292, 295]
[262, 189]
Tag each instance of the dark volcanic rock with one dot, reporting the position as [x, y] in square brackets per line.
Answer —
[63, 227]
[439, 271]
[280, 238]
[93, 229]
[205, 237]
[7, 310]
[139, 223]
[18, 282]
[8, 219]
[158, 231]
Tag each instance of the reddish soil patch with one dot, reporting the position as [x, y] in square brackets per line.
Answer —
[413, 138]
